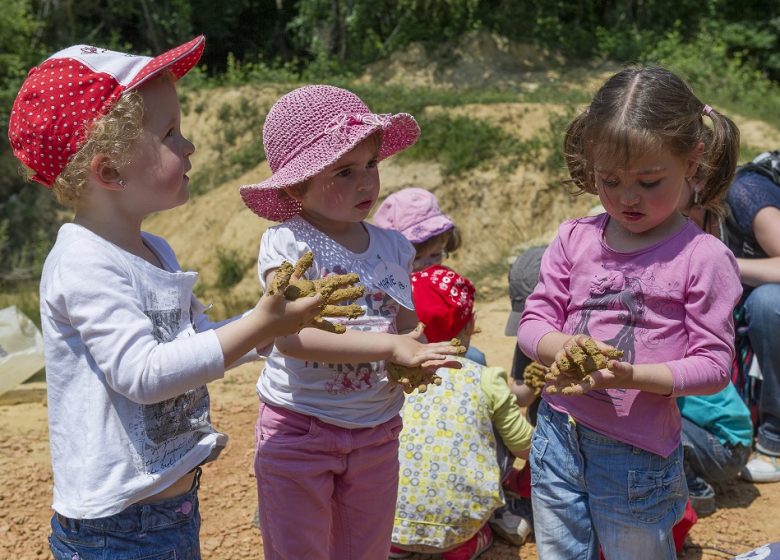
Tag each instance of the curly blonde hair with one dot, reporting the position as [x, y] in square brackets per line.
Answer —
[114, 135]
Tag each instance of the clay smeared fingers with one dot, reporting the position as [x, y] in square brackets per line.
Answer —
[303, 264]
[281, 279]
[350, 311]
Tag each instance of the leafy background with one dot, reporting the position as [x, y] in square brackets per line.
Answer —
[728, 51]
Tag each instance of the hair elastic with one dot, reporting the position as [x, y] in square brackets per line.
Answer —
[706, 110]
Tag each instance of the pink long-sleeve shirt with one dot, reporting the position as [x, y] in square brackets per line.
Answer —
[668, 303]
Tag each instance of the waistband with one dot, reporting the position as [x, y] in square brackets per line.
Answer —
[140, 517]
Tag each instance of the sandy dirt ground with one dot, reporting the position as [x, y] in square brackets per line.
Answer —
[747, 516]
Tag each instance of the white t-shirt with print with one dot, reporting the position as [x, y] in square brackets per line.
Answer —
[128, 354]
[346, 395]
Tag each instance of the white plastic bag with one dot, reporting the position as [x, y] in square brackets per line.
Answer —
[21, 348]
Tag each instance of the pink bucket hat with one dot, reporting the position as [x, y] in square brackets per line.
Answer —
[70, 90]
[415, 213]
[310, 128]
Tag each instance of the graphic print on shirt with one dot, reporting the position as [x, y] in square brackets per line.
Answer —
[170, 428]
[614, 291]
[350, 377]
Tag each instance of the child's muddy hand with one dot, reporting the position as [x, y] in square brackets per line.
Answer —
[414, 365]
[331, 291]
[582, 365]
[408, 351]
[616, 375]
[289, 317]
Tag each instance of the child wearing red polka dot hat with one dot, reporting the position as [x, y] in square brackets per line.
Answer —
[128, 348]
[459, 439]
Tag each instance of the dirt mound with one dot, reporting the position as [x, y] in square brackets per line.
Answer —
[479, 58]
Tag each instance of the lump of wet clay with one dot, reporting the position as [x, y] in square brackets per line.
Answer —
[534, 376]
[583, 361]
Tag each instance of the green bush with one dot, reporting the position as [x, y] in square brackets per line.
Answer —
[716, 76]
[230, 268]
[457, 143]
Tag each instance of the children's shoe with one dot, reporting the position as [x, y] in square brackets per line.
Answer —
[762, 468]
[513, 522]
[702, 496]
[396, 552]
[473, 547]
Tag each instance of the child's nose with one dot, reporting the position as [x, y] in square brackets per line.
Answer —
[189, 147]
[629, 196]
[367, 181]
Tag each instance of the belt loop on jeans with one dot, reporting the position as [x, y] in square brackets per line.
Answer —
[196, 483]
[67, 522]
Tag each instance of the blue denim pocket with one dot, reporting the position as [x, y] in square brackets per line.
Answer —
[538, 447]
[653, 493]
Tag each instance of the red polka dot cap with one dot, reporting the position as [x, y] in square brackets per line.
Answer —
[310, 128]
[444, 301]
[73, 88]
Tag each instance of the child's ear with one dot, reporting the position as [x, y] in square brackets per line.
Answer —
[693, 160]
[296, 192]
[105, 174]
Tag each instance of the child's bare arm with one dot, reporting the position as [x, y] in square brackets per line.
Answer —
[271, 317]
[523, 393]
[359, 346]
[549, 346]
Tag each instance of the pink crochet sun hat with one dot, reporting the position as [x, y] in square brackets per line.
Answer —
[62, 97]
[310, 128]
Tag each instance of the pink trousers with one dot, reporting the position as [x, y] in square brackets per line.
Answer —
[325, 493]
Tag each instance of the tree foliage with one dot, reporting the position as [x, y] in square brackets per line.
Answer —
[715, 42]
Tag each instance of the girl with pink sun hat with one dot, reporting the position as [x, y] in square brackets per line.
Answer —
[327, 448]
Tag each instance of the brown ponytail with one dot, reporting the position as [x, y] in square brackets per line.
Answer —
[717, 165]
[646, 109]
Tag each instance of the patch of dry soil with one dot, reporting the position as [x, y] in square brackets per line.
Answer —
[746, 518]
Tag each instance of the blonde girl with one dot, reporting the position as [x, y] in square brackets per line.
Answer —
[128, 347]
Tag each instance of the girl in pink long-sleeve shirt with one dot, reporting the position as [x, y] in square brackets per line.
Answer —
[607, 461]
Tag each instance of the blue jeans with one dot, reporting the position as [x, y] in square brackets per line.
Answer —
[475, 355]
[589, 490]
[165, 530]
[706, 459]
[763, 316]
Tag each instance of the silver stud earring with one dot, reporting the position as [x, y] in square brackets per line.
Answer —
[121, 183]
